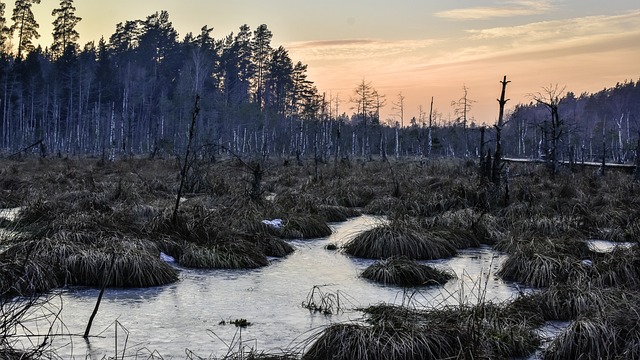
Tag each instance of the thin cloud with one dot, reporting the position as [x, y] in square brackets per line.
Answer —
[350, 49]
[511, 9]
[332, 43]
[562, 29]
[601, 46]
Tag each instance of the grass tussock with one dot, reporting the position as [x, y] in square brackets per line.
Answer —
[541, 270]
[309, 227]
[399, 332]
[566, 302]
[125, 264]
[405, 272]
[584, 339]
[25, 277]
[388, 240]
[619, 268]
[355, 341]
[273, 246]
[334, 213]
[228, 255]
[352, 196]
[83, 259]
[383, 206]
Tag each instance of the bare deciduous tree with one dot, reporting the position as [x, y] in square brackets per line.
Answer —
[365, 99]
[551, 97]
[462, 107]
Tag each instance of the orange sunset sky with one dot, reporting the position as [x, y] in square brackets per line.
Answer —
[419, 48]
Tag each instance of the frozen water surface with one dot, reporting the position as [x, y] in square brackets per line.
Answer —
[603, 246]
[187, 315]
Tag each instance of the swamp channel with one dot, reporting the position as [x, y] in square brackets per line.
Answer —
[196, 315]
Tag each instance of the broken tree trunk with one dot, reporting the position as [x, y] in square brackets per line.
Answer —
[497, 158]
[185, 167]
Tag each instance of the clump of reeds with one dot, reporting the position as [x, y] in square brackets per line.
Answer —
[541, 270]
[383, 206]
[324, 302]
[82, 200]
[531, 243]
[23, 277]
[39, 265]
[405, 272]
[355, 341]
[273, 246]
[355, 197]
[551, 226]
[398, 239]
[584, 339]
[567, 301]
[465, 228]
[400, 332]
[257, 227]
[36, 212]
[224, 255]
[606, 330]
[32, 266]
[125, 262]
[462, 218]
[619, 268]
[309, 226]
[459, 238]
[334, 213]
[191, 224]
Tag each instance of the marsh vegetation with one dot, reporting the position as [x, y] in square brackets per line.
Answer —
[86, 223]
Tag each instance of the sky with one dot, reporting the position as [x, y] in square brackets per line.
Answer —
[420, 48]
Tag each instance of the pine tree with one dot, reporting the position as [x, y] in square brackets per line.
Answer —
[158, 38]
[4, 30]
[126, 36]
[301, 89]
[279, 80]
[262, 51]
[25, 25]
[237, 67]
[64, 32]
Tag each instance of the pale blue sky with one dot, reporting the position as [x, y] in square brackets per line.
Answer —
[422, 48]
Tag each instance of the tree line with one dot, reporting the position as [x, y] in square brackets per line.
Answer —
[588, 127]
[133, 93]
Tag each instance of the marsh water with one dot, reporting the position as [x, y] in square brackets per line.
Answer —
[187, 317]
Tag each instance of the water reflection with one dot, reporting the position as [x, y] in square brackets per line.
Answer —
[187, 315]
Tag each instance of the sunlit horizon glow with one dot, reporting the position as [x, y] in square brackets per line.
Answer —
[420, 49]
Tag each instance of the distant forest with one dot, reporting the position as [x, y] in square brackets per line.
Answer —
[134, 94]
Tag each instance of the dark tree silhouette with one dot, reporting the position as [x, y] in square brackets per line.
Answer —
[64, 28]
[24, 25]
[4, 30]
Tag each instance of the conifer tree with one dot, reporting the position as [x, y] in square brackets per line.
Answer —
[262, 51]
[4, 30]
[64, 32]
[24, 25]
[279, 80]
